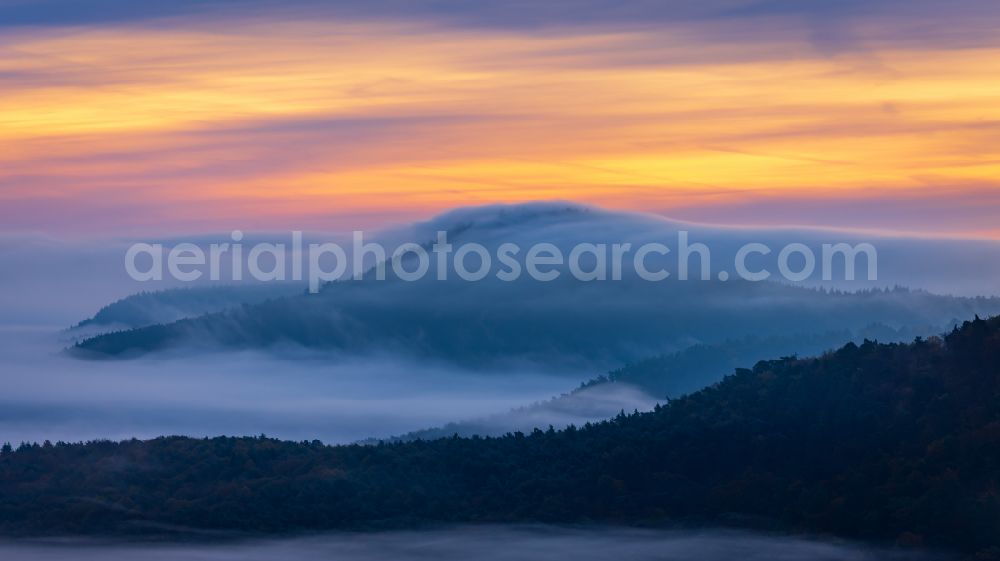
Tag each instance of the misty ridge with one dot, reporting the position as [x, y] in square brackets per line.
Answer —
[149, 308]
[567, 323]
[641, 385]
[624, 345]
[396, 346]
[628, 344]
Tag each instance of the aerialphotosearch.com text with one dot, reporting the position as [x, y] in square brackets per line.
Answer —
[319, 263]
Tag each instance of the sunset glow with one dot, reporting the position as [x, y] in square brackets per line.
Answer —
[125, 128]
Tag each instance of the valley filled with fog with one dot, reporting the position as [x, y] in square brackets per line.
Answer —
[51, 396]
[490, 543]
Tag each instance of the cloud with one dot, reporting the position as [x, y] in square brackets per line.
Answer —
[487, 14]
[936, 210]
[193, 122]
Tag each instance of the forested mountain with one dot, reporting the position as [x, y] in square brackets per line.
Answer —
[683, 372]
[875, 441]
[567, 322]
[564, 322]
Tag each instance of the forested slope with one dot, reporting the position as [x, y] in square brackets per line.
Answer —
[874, 441]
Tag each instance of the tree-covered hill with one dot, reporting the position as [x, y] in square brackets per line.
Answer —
[874, 441]
[697, 366]
[563, 323]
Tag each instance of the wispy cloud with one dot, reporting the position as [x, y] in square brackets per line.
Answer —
[193, 115]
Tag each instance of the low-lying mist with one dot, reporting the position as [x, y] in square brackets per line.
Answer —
[48, 395]
[489, 543]
[576, 408]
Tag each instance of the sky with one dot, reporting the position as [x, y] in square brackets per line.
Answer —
[120, 118]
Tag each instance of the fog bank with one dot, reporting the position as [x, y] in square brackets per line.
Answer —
[48, 395]
[490, 543]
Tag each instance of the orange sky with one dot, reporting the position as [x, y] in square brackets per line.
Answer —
[127, 129]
